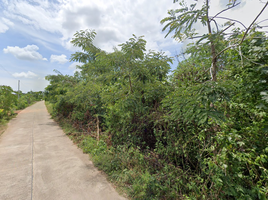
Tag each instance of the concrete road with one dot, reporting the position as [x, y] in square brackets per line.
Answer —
[38, 161]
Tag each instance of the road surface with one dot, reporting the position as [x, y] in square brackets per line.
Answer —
[38, 161]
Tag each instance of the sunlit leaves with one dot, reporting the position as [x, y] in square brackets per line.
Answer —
[7, 100]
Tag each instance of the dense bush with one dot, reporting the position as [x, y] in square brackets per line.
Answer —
[181, 136]
[7, 101]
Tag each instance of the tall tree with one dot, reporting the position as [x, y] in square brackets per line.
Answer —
[84, 39]
[182, 22]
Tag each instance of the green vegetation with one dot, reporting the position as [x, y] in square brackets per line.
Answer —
[9, 102]
[199, 133]
[28, 99]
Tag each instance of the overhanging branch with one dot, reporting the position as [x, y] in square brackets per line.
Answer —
[234, 5]
[244, 36]
[232, 20]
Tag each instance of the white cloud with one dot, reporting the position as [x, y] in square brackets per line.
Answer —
[28, 74]
[5, 24]
[3, 27]
[27, 53]
[60, 59]
[114, 21]
[40, 15]
[74, 65]
[7, 21]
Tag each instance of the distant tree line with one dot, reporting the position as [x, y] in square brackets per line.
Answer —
[13, 100]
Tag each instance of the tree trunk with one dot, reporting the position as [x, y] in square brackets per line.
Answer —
[213, 69]
[130, 84]
[98, 129]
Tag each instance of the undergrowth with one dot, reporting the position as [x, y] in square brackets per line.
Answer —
[140, 175]
[146, 174]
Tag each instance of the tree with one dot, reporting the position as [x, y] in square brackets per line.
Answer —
[175, 130]
[7, 100]
[182, 21]
[84, 39]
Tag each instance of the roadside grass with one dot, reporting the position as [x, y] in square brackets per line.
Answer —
[134, 173]
[101, 155]
[49, 107]
[139, 175]
[64, 124]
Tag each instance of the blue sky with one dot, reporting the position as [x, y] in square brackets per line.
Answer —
[35, 34]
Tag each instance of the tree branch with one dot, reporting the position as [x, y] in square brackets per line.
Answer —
[234, 5]
[232, 20]
[215, 24]
[200, 36]
[247, 30]
[251, 60]
[212, 47]
[241, 56]
[253, 22]
[226, 28]
[263, 21]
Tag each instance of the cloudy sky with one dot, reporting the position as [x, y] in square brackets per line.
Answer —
[35, 34]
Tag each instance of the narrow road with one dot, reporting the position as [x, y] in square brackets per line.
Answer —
[38, 161]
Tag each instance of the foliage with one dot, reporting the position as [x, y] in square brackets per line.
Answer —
[28, 99]
[183, 23]
[84, 39]
[7, 100]
[181, 136]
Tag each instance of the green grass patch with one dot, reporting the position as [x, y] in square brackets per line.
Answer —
[49, 107]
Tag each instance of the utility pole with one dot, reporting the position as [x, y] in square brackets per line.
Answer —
[18, 89]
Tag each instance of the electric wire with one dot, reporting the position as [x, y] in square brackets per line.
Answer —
[6, 70]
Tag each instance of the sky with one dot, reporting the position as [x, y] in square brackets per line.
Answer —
[35, 34]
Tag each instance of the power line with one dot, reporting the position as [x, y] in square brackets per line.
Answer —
[6, 70]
